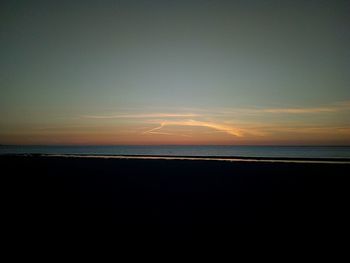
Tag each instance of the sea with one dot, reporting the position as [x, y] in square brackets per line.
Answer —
[342, 152]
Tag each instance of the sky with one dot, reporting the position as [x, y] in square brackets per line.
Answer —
[175, 72]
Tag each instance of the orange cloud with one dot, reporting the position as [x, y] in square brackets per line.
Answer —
[219, 127]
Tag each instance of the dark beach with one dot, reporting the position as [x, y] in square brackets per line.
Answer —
[173, 197]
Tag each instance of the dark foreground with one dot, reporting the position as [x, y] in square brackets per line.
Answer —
[173, 198]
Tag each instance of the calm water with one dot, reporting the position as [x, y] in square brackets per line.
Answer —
[237, 151]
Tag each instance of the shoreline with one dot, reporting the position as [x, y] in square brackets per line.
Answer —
[327, 160]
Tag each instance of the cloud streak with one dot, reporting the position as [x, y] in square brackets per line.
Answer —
[235, 122]
[198, 113]
[333, 108]
[142, 116]
[219, 127]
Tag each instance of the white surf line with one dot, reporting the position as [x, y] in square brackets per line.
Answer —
[194, 158]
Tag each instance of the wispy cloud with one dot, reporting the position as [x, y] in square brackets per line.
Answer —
[235, 122]
[191, 113]
[296, 110]
[216, 126]
[304, 129]
[332, 108]
[299, 110]
[156, 131]
[142, 116]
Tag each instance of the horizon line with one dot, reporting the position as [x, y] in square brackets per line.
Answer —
[160, 145]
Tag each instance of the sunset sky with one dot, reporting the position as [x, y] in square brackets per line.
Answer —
[175, 72]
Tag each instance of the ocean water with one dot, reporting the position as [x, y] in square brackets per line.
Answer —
[203, 151]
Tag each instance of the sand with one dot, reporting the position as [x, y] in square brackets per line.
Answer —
[174, 197]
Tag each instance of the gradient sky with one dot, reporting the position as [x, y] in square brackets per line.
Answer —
[175, 72]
